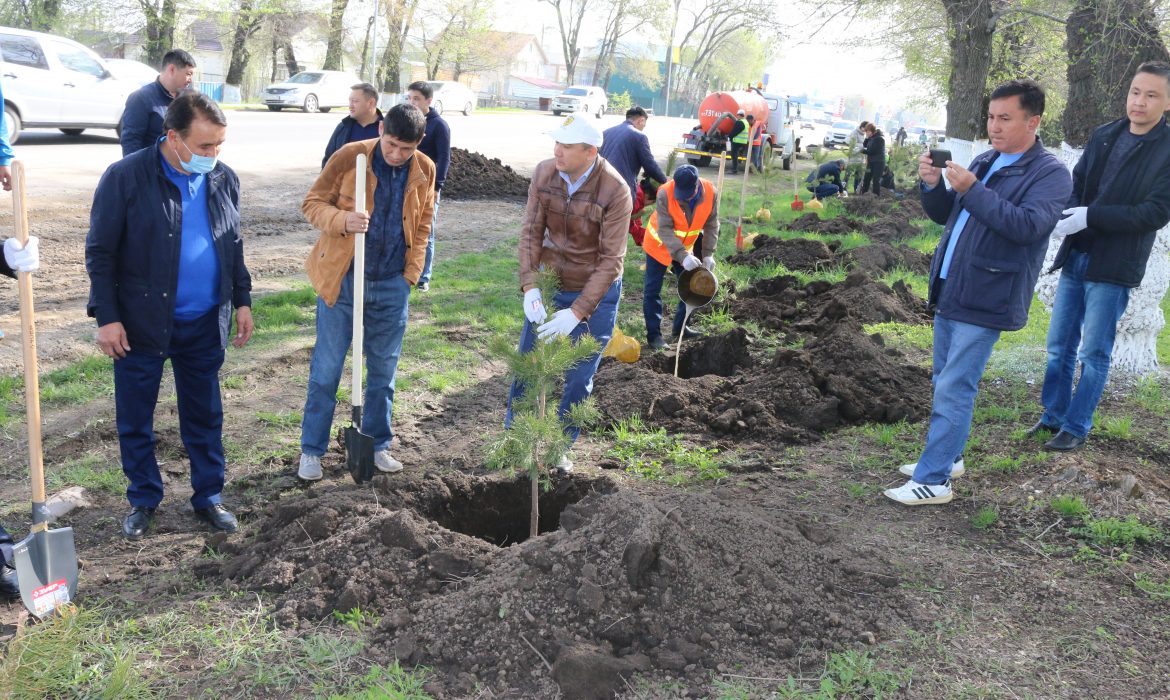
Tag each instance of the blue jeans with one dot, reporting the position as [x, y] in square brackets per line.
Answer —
[579, 379]
[961, 351]
[826, 190]
[652, 299]
[426, 272]
[387, 304]
[196, 357]
[1085, 314]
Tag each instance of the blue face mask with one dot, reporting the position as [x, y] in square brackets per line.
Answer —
[198, 164]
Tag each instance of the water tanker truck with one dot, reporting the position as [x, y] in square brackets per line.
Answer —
[717, 114]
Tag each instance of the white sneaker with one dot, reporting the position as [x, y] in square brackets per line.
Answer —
[385, 463]
[310, 469]
[564, 464]
[957, 469]
[913, 493]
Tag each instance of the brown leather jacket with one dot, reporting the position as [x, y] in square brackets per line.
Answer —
[582, 237]
[331, 198]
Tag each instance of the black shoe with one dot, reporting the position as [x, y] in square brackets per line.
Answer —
[657, 343]
[1064, 442]
[1041, 425]
[137, 523]
[219, 518]
[9, 588]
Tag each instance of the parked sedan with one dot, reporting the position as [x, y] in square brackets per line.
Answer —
[54, 82]
[838, 134]
[311, 91]
[452, 96]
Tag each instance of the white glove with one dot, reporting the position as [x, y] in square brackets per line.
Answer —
[562, 323]
[709, 263]
[690, 262]
[534, 306]
[26, 259]
[1075, 221]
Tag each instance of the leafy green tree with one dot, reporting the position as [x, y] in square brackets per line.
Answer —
[537, 438]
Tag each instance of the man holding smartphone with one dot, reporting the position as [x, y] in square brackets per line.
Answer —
[998, 216]
[1120, 199]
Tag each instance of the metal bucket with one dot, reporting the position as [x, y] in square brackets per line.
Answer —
[697, 287]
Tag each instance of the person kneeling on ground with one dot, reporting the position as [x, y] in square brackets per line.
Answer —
[825, 181]
[400, 196]
[575, 225]
[688, 207]
[998, 218]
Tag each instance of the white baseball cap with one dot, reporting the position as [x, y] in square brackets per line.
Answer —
[740, 113]
[576, 130]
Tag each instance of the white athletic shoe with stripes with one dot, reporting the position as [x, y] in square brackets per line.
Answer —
[913, 493]
[957, 469]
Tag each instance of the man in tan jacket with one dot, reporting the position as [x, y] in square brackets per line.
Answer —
[400, 194]
[576, 224]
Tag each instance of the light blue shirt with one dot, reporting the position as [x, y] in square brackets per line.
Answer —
[574, 186]
[1004, 160]
[198, 288]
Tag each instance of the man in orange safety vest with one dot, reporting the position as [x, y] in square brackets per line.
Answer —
[688, 214]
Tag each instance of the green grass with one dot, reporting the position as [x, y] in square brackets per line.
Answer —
[653, 454]
[1070, 506]
[1154, 589]
[1118, 427]
[1115, 532]
[92, 472]
[1151, 394]
[985, 517]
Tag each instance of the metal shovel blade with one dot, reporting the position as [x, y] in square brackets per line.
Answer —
[46, 570]
[359, 450]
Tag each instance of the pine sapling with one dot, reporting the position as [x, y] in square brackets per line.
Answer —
[537, 439]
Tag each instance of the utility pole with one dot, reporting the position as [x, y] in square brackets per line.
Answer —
[670, 56]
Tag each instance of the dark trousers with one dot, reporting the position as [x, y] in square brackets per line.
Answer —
[196, 357]
[873, 177]
[652, 297]
[738, 150]
[827, 189]
[6, 543]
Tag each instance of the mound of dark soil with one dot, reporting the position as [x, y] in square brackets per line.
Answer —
[783, 304]
[475, 176]
[811, 223]
[678, 585]
[869, 206]
[882, 257]
[794, 254]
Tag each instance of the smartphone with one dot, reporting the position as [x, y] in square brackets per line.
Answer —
[939, 157]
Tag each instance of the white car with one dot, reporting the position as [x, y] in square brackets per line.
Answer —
[589, 99]
[453, 96]
[50, 81]
[132, 71]
[311, 91]
[838, 134]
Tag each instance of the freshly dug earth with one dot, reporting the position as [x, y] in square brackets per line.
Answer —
[664, 583]
[783, 304]
[890, 219]
[808, 255]
[475, 176]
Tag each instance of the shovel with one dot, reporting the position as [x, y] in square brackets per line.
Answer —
[46, 560]
[696, 288]
[359, 448]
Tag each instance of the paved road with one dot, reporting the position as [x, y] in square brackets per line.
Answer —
[263, 145]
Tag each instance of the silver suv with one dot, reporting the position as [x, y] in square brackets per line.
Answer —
[51, 81]
[589, 99]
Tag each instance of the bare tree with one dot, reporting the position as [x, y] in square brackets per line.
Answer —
[624, 17]
[38, 15]
[712, 26]
[570, 17]
[399, 16]
[336, 36]
[1107, 40]
[159, 33]
[249, 19]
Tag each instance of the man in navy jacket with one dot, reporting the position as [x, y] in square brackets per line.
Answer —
[628, 150]
[361, 124]
[166, 266]
[1121, 197]
[142, 120]
[998, 215]
[436, 144]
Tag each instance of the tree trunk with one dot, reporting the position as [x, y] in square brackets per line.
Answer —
[971, 27]
[336, 36]
[247, 22]
[275, 50]
[43, 15]
[159, 33]
[1107, 40]
[399, 15]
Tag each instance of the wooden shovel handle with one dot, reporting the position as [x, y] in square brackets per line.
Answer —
[28, 342]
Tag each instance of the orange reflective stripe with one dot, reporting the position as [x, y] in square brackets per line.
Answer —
[686, 231]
